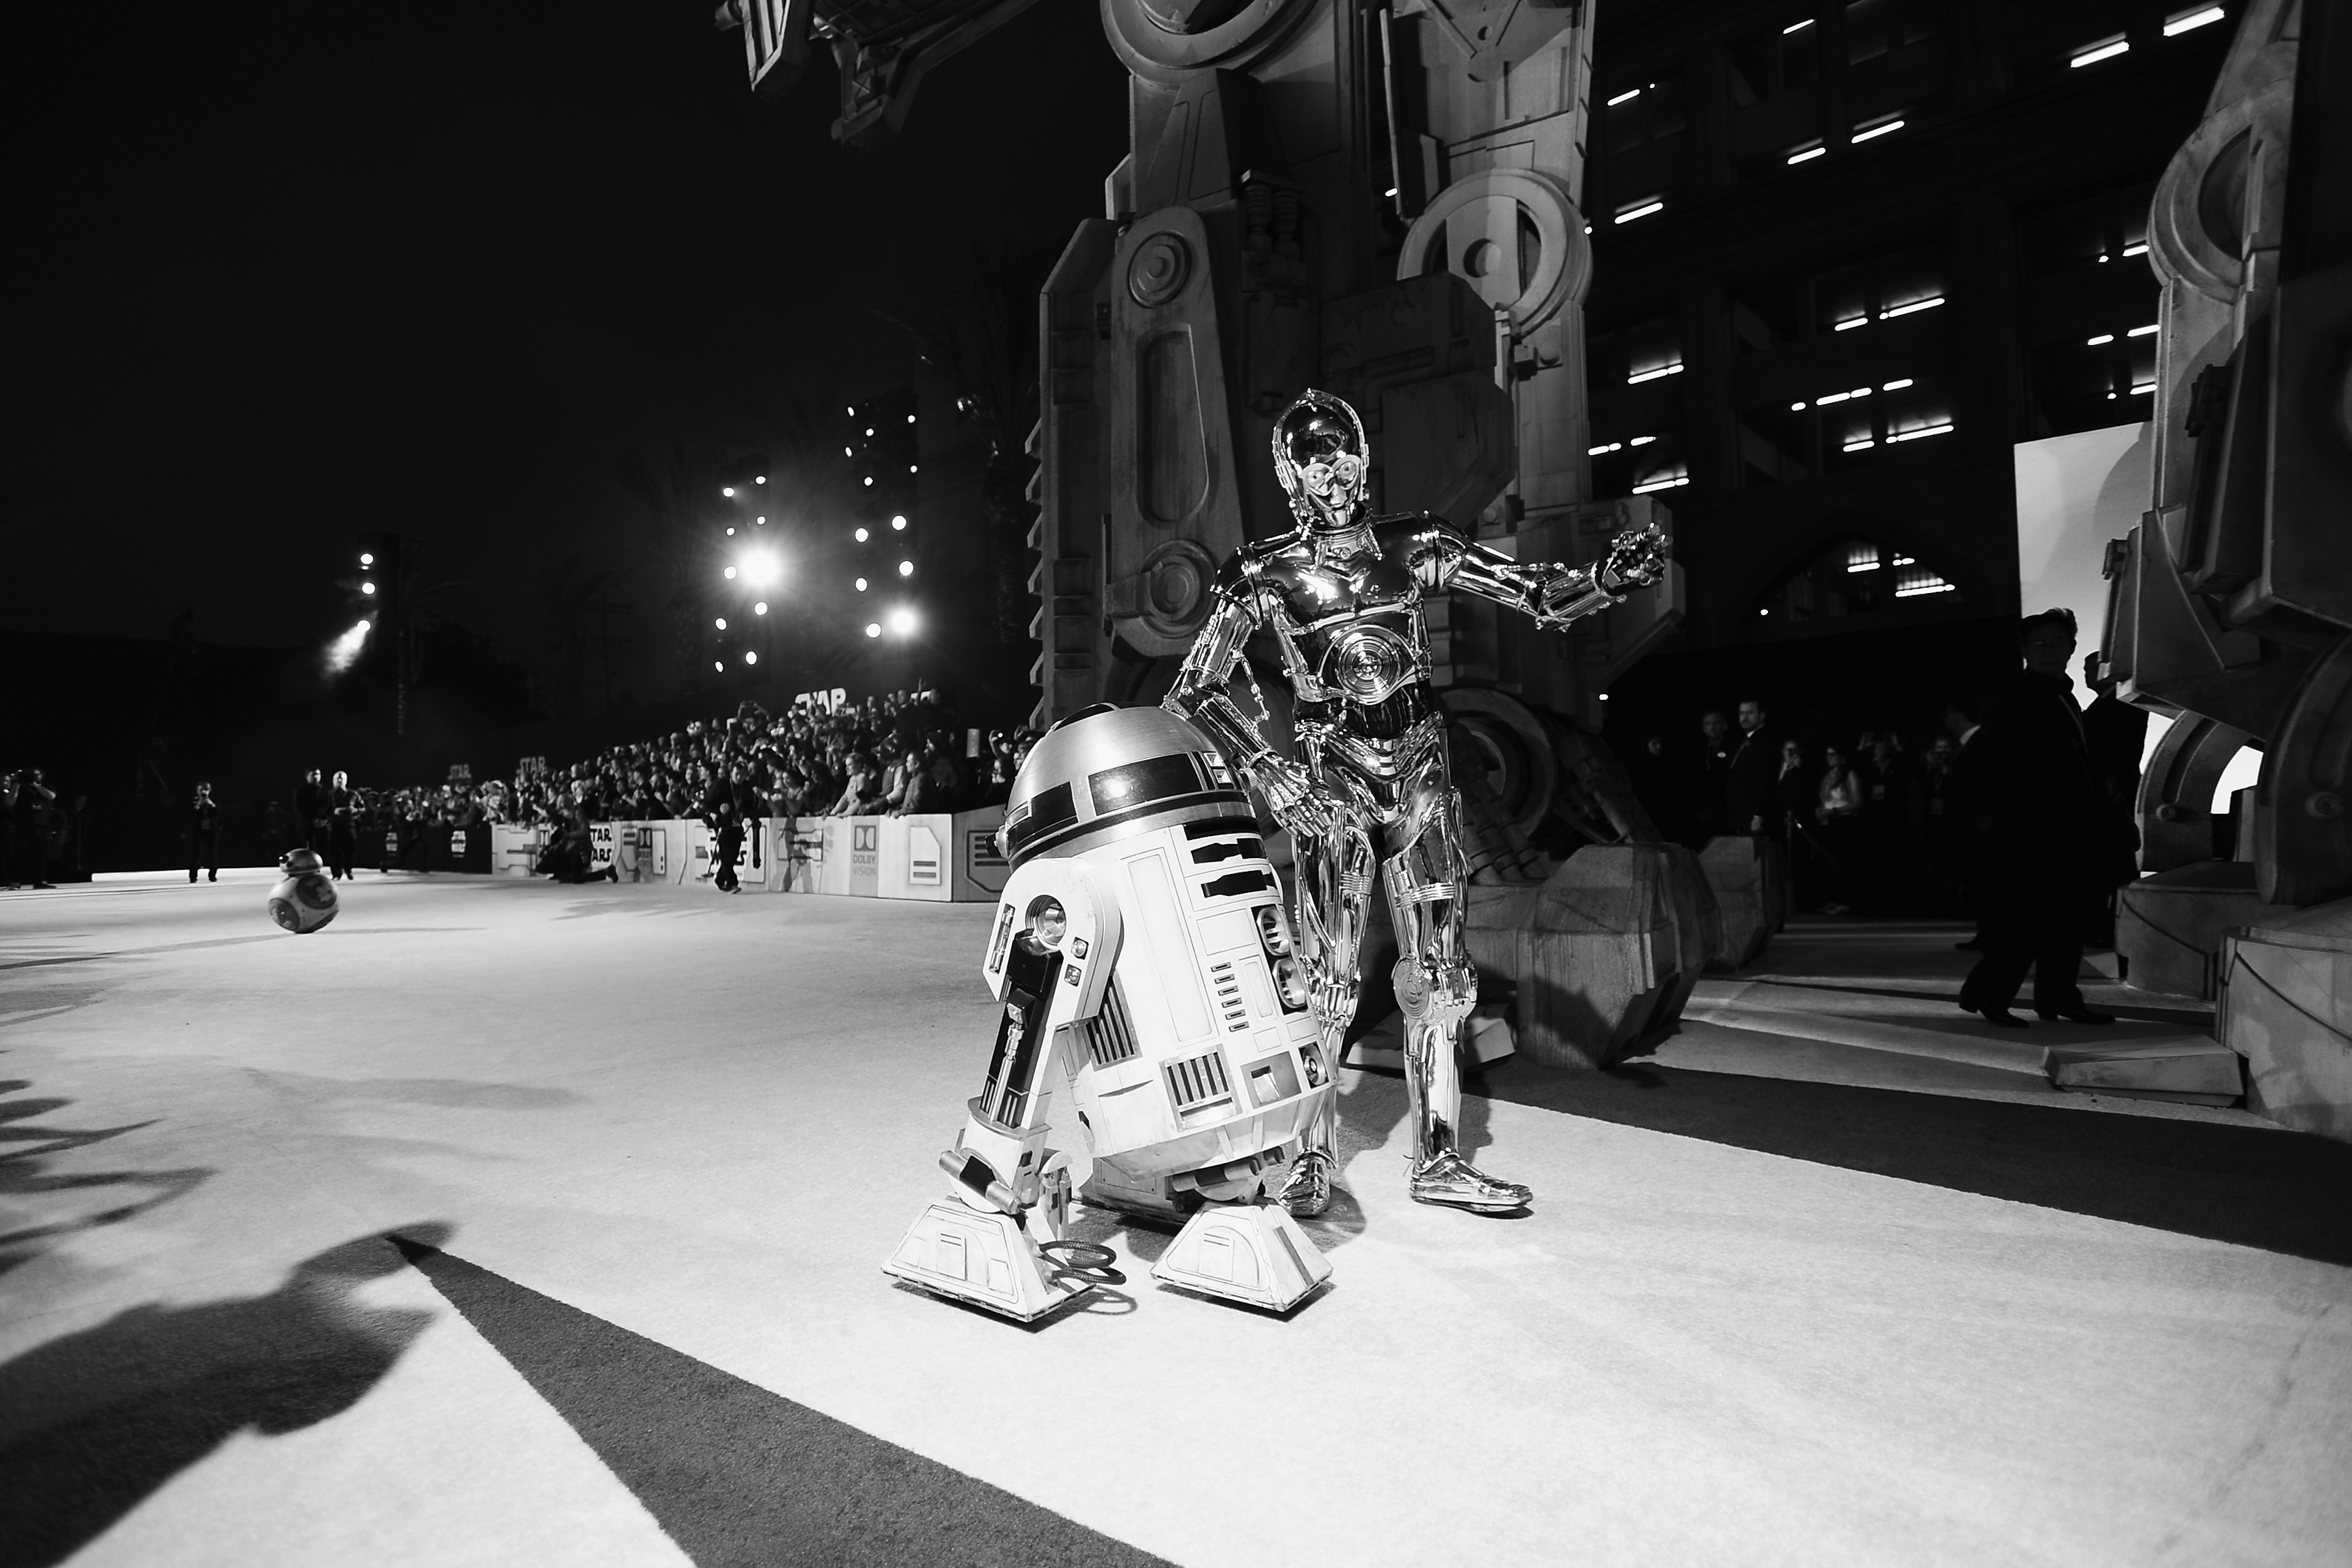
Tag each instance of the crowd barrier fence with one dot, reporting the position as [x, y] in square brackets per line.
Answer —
[937, 857]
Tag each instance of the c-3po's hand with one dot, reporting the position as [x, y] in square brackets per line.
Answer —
[1290, 794]
[1636, 558]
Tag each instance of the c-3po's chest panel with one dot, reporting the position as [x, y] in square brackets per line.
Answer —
[1352, 630]
[1203, 1047]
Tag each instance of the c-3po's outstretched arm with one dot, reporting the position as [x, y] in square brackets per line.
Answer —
[1554, 594]
[1201, 695]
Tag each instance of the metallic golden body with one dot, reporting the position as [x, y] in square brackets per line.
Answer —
[1343, 597]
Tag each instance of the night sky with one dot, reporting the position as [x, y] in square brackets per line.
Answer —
[281, 275]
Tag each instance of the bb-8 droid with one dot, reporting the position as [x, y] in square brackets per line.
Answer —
[1151, 996]
[304, 899]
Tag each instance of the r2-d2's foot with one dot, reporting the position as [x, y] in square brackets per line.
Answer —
[1450, 1179]
[1308, 1193]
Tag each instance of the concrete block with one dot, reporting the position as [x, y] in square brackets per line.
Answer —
[1604, 954]
[2192, 1068]
[1749, 878]
[2169, 926]
[2286, 1009]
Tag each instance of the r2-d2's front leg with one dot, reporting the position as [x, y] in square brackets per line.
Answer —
[998, 1240]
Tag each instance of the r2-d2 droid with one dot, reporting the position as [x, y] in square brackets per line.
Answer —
[1152, 998]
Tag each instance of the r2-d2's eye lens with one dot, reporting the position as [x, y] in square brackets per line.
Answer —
[1291, 981]
[1051, 922]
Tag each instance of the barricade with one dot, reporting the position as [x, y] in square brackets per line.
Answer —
[457, 849]
[514, 848]
[933, 857]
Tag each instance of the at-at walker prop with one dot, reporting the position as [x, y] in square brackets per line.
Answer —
[2231, 603]
[1381, 200]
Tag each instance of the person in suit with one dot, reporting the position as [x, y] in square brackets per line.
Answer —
[1750, 800]
[203, 834]
[2047, 833]
[310, 812]
[342, 842]
[1704, 813]
[1953, 818]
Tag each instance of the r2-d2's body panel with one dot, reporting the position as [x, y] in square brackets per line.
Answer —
[1153, 1006]
[1195, 1073]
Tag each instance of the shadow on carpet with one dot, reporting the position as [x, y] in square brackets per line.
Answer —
[2277, 1190]
[738, 1476]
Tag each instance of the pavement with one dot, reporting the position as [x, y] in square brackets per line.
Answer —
[508, 1223]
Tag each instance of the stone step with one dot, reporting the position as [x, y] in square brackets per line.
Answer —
[2192, 1068]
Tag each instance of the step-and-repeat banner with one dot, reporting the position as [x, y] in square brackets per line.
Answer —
[941, 857]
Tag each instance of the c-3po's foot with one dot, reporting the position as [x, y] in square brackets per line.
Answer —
[1308, 1193]
[1453, 1181]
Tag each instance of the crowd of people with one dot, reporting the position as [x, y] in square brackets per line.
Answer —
[1884, 821]
[890, 755]
[2015, 812]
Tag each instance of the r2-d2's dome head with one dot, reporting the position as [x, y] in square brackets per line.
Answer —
[1323, 460]
[1107, 773]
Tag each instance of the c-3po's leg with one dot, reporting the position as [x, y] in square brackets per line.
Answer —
[1437, 987]
[1335, 894]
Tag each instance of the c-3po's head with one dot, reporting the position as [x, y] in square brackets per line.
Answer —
[1323, 461]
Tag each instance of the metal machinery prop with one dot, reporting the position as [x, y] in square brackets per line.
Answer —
[1379, 200]
[2232, 602]
[1152, 997]
[1342, 598]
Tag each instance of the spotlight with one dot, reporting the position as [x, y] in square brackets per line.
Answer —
[761, 570]
[861, 536]
[906, 569]
[760, 608]
[367, 588]
[366, 559]
[723, 624]
[898, 525]
[750, 657]
[861, 585]
[730, 533]
[726, 490]
[759, 519]
[902, 621]
[760, 480]
[872, 630]
[731, 574]
[719, 666]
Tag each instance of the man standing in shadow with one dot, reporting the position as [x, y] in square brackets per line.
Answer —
[2047, 835]
[1751, 802]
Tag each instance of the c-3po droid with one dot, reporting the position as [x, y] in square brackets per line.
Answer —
[1151, 995]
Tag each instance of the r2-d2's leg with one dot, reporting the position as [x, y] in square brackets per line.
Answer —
[1437, 987]
[1335, 893]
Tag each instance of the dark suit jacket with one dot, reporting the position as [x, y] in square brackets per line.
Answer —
[1748, 791]
[2052, 821]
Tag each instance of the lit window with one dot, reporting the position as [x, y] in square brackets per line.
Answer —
[1641, 211]
[2139, 247]
[1662, 482]
[1920, 434]
[2141, 331]
[1869, 131]
[1916, 305]
[1805, 154]
[1912, 584]
[1851, 323]
[2142, 389]
[1626, 97]
[1860, 446]
[2105, 49]
[1862, 558]
[1639, 377]
[2180, 22]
